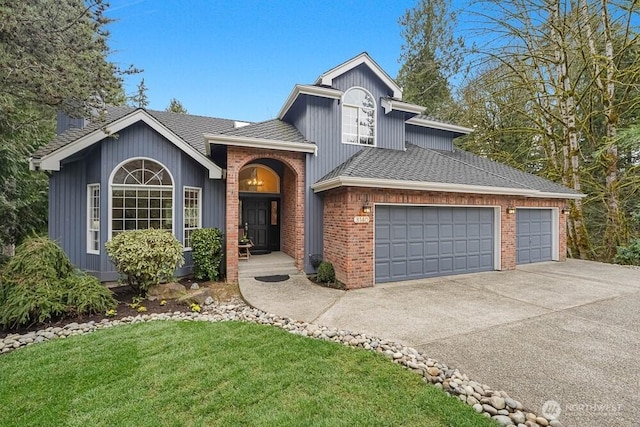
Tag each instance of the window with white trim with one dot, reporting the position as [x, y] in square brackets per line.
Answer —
[192, 213]
[93, 218]
[141, 197]
[358, 117]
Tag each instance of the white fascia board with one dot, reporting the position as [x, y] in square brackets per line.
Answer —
[438, 125]
[347, 181]
[327, 78]
[298, 90]
[391, 104]
[271, 144]
[52, 161]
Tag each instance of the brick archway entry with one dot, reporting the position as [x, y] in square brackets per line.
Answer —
[292, 189]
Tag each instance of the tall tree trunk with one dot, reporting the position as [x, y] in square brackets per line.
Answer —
[571, 150]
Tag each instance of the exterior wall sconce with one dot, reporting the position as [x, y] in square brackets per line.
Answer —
[565, 211]
[366, 207]
[511, 210]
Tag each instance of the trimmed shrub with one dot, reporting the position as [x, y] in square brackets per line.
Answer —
[629, 254]
[145, 257]
[326, 273]
[206, 245]
[39, 283]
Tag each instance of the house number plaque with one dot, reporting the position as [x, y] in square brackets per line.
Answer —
[361, 219]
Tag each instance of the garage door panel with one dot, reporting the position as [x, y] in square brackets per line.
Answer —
[399, 268]
[416, 231]
[486, 230]
[473, 261]
[446, 247]
[399, 232]
[416, 250]
[382, 251]
[432, 241]
[445, 231]
[460, 230]
[460, 247]
[431, 249]
[431, 231]
[415, 267]
[460, 263]
[398, 250]
[534, 235]
[473, 230]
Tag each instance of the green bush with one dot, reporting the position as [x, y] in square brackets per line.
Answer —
[326, 273]
[206, 244]
[145, 257]
[629, 254]
[39, 283]
[85, 295]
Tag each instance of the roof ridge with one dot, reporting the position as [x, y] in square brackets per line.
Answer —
[506, 178]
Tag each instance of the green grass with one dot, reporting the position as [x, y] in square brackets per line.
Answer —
[214, 374]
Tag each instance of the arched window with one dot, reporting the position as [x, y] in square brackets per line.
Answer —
[358, 117]
[256, 178]
[141, 196]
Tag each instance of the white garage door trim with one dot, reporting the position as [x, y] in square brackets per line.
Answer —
[555, 230]
[497, 230]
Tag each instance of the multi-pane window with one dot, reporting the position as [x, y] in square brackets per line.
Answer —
[358, 117]
[192, 213]
[141, 197]
[93, 218]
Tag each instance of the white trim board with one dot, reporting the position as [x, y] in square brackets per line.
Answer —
[390, 105]
[347, 181]
[51, 161]
[272, 144]
[434, 124]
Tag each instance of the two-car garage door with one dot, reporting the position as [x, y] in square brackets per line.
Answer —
[413, 242]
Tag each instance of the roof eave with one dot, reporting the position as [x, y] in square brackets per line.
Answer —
[348, 181]
[273, 144]
[439, 125]
[52, 161]
[390, 105]
[298, 90]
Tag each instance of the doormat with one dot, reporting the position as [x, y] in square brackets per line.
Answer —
[276, 278]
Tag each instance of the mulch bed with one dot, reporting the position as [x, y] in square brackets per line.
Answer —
[125, 296]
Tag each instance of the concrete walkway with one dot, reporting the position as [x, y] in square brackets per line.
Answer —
[566, 332]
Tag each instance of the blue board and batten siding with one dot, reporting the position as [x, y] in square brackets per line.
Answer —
[68, 193]
[320, 121]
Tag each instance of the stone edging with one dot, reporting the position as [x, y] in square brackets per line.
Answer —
[495, 404]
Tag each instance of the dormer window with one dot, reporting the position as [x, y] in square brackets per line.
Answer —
[358, 117]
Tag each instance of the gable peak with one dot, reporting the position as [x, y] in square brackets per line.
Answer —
[326, 78]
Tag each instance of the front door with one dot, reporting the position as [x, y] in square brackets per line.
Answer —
[261, 218]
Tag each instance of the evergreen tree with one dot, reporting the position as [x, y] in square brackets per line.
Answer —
[176, 106]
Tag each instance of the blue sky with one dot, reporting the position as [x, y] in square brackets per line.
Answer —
[240, 59]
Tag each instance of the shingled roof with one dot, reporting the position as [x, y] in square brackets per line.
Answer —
[422, 165]
[271, 129]
[187, 127]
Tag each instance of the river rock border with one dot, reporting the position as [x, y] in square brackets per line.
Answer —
[491, 403]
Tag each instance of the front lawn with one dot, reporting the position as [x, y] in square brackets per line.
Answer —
[202, 374]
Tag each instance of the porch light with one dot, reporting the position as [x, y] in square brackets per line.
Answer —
[366, 207]
[511, 210]
[565, 211]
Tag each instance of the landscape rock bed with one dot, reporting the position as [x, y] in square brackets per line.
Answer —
[491, 403]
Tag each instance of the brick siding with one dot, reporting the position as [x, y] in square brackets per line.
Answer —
[349, 246]
[292, 208]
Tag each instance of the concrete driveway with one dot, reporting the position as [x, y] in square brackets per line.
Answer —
[563, 332]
